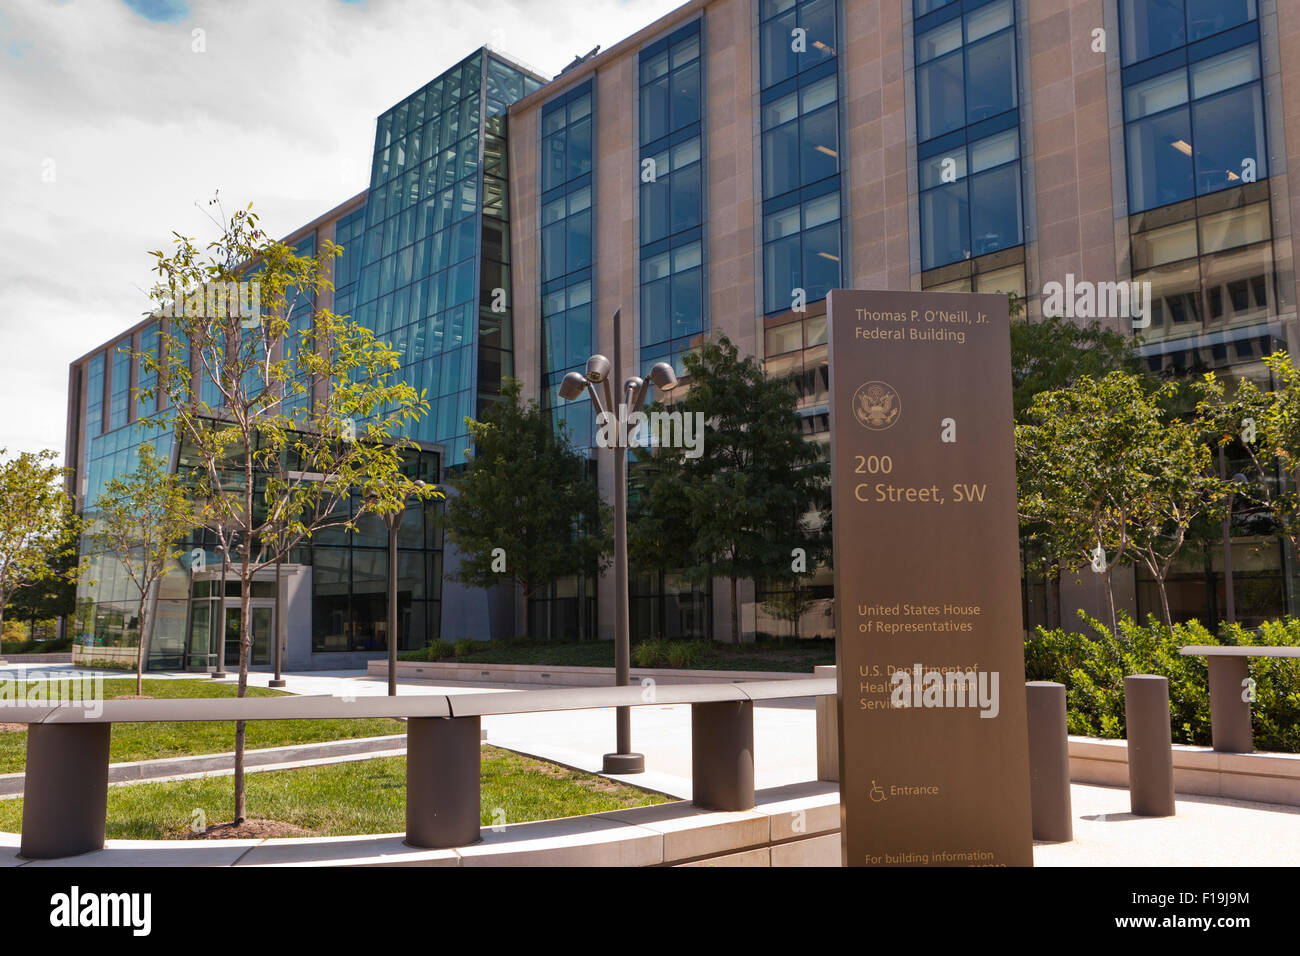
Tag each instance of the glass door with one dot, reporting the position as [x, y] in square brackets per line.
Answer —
[199, 655]
[263, 629]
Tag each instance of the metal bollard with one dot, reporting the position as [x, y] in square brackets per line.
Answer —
[443, 762]
[1150, 751]
[722, 755]
[1049, 762]
[65, 790]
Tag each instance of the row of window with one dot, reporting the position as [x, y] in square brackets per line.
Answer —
[672, 307]
[568, 330]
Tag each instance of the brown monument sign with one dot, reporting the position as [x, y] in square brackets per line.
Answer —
[934, 766]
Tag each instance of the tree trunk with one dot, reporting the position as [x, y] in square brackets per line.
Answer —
[1110, 597]
[139, 651]
[1164, 601]
[735, 614]
[245, 650]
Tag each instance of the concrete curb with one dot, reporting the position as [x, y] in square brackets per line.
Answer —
[563, 675]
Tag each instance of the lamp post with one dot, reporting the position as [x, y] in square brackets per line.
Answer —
[596, 382]
[394, 522]
[277, 680]
[220, 672]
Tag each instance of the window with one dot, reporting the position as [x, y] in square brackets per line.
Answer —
[566, 234]
[1151, 27]
[801, 250]
[672, 311]
[670, 84]
[1196, 129]
[672, 295]
[966, 70]
[800, 137]
[567, 252]
[95, 396]
[969, 132]
[795, 35]
[799, 119]
[1209, 262]
[672, 201]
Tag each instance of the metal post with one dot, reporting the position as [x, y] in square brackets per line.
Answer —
[220, 672]
[65, 790]
[1229, 709]
[1049, 762]
[1150, 752]
[442, 781]
[394, 522]
[722, 755]
[623, 760]
[277, 680]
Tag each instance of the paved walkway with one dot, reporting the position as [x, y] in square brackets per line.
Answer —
[1207, 831]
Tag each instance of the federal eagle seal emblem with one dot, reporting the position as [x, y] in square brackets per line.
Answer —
[876, 406]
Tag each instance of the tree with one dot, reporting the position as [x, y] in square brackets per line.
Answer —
[55, 595]
[1106, 474]
[293, 417]
[1181, 487]
[758, 491]
[1055, 353]
[143, 519]
[526, 508]
[38, 530]
[1265, 425]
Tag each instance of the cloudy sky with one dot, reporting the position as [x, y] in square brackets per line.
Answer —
[122, 117]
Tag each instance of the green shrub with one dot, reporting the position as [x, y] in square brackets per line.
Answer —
[464, 646]
[651, 653]
[1093, 666]
[436, 651]
[53, 646]
[688, 653]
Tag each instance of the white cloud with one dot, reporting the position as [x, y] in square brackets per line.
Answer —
[136, 128]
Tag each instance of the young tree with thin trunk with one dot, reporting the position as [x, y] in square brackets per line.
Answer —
[1107, 475]
[294, 416]
[37, 526]
[142, 520]
[1265, 427]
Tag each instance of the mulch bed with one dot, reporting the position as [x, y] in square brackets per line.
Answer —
[248, 830]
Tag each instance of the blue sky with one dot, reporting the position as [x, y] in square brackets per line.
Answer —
[122, 117]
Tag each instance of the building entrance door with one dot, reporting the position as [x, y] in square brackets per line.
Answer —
[263, 628]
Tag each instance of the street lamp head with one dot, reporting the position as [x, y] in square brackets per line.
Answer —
[598, 368]
[663, 377]
[573, 386]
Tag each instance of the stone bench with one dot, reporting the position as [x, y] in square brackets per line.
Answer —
[65, 791]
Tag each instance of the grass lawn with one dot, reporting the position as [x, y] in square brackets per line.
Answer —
[365, 796]
[765, 656]
[148, 741]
